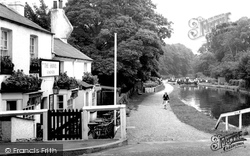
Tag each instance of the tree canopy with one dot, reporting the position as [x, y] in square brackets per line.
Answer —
[40, 15]
[176, 61]
[140, 34]
[226, 52]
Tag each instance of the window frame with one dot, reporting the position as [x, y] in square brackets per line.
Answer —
[33, 46]
[60, 102]
[8, 50]
[4, 40]
[7, 103]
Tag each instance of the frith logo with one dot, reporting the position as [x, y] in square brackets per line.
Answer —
[200, 27]
[227, 142]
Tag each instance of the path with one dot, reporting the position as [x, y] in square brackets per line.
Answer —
[152, 123]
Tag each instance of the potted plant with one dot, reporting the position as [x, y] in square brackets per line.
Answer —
[19, 82]
[35, 65]
[66, 82]
[6, 65]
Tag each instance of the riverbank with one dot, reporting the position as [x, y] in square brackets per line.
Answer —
[193, 117]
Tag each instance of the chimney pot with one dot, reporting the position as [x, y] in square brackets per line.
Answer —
[55, 5]
[60, 4]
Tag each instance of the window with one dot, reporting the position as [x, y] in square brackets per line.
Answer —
[61, 67]
[4, 40]
[51, 101]
[87, 98]
[70, 103]
[33, 46]
[5, 45]
[11, 105]
[85, 67]
[60, 102]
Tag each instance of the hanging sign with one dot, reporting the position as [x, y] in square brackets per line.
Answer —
[50, 68]
[200, 27]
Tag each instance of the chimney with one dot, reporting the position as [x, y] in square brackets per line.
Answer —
[60, 4]
[17, 6]
[55, 5]
[60, 24]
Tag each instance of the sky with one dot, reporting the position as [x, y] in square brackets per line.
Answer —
[181, 11]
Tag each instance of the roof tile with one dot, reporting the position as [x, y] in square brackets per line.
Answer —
[62, 49]
[8, 14]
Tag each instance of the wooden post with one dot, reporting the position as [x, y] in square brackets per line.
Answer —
[226, 123]
[45, 126]
[240, 121]
[85, 128]
[123, 121]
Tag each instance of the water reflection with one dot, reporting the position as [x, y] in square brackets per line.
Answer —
[213, 102]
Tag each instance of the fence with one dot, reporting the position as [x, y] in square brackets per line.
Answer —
[64, 125]
[51, 124]
[226, 115]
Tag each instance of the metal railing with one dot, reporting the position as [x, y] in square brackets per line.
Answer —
[226, 115]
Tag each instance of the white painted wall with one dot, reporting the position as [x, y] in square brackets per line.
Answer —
[60, 24]
[76, 68]
[21, 56]
[21, 45]
[22, 129]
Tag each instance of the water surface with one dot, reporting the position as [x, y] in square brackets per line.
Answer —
[213, 102]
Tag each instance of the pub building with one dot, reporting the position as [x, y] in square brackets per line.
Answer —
[32, 59]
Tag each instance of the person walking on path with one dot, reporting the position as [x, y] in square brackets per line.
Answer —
[165, 100]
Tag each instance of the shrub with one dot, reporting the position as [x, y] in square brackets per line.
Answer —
[242, 83]
[89, 78]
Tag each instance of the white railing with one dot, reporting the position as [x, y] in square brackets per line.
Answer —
[226, 115]
[31, 107]
[31, 112]
[85, 118]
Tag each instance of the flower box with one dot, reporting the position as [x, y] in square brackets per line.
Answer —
[19, 82]
[6, 65]
[35, 65]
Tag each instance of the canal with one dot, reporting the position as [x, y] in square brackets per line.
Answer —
[214, 101]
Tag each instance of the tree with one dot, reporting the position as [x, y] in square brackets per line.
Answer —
[244, 67]
[140, 34]
[177, 60]
[228, 44]
[40, 15]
